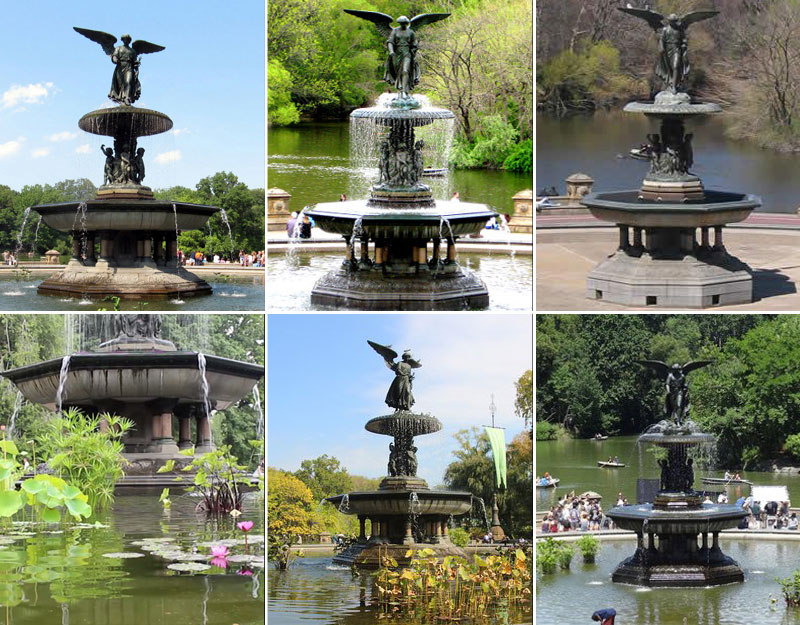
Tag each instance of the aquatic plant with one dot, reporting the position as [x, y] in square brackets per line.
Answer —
[87, 450]
[791, 588]
[245, 526]
[459, 537]
[551, 552]
[589, 546]
[454, 588]
[215, 479]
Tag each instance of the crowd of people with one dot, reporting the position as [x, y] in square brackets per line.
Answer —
[578, 514]
[771, 515]
[246, 259]
[9, 258]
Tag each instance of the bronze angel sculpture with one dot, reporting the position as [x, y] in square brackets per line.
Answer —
[677, 399]
[402, 67]
[125, 86]
[673, 60]
[399, 396]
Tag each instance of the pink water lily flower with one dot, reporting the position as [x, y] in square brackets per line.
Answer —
[245, 572]
[219, 551]
[245, 526]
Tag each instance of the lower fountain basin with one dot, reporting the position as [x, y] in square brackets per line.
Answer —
[402, 223]
[706, 518]
[103, 380]
[717, 209]
[130, 215]
[398, 502]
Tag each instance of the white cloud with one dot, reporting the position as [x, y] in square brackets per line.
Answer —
[40, 152]
[180, 131]
[11, 147]
[83, 149]
[168, 157]
[63, 136]
[27, 94]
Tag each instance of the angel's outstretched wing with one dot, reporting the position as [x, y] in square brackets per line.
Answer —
[425, 19]
[661, 368]
[695, 364]
[386, 351]
[697, 16]
[98, 36]
[145, 47]
[415, 364]
[656, 20]
[381, 21]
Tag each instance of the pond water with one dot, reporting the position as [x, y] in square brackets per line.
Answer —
[56, 576]
[734, 604]
[230, 293]
[508, 277]
[311, 161]
[598, 145]
[314, 590]
[574, 462]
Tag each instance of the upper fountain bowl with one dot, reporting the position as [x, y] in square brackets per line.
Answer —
[120, 120]
[409, 423]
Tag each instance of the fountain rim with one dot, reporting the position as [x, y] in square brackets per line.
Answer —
[119, 205]
[401, 494]
[601, 200]
[379, 215]
[130, 360]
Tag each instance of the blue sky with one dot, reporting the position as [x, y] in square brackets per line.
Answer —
[325, 383]
[209, 80]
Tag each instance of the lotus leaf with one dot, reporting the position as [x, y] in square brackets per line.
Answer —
[124, 555]
[10, 503]
[189, 567]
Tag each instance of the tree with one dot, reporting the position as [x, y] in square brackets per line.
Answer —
[523, 403]
[289, 504]
[281, 111]
[325, 476]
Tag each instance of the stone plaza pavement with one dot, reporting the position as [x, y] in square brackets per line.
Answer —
[564, 256]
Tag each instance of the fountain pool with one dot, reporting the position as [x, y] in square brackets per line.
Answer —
[763, 557]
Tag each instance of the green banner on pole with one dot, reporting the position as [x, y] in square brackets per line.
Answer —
[497, 439]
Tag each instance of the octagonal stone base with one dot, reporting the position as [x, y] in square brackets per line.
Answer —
[717, 279]
[461, 290]
[125, 282]
[368, 555]
[723, 571]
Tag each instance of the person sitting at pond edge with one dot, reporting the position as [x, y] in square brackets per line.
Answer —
[305, 228]
[290, 224]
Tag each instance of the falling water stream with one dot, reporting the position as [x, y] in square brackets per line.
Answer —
[62, 382]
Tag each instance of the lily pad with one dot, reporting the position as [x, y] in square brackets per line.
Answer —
[188, 567]
[124, 555]
[249, 559]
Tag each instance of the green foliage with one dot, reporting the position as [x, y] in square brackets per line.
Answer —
[791, 588]
[582, 80]
[473, 471]
[492, 144]
[215, 480]
[324, 476]
[546, 431]
[551, 553]
[289, 506]
[281, 111]
[521, 158]
[459, 537]
[82, 451]
[792, 446]
[588, 545]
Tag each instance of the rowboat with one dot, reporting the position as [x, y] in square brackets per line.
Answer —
[722, 480]
[613, 465]
[597, 437]
[551, 484]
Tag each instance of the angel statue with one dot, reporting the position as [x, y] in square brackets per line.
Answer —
[402, 68]
[399, 396]
[137, 325]
[125, 86]
[677, 400]
[673, 61]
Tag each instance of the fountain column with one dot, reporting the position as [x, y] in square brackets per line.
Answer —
[76, 246]
[158, 248]
[623, 238]
[147, 251]
[172, 250]
[90, 257]
[435, 253]
[204, 443]
[106, 248]
[718, 246]
[362, 525]
[451, 250]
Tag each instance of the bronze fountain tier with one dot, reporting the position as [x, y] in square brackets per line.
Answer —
[143, 377]
[400, 218]
[124, 242]
[667, 551]
[404, 512]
